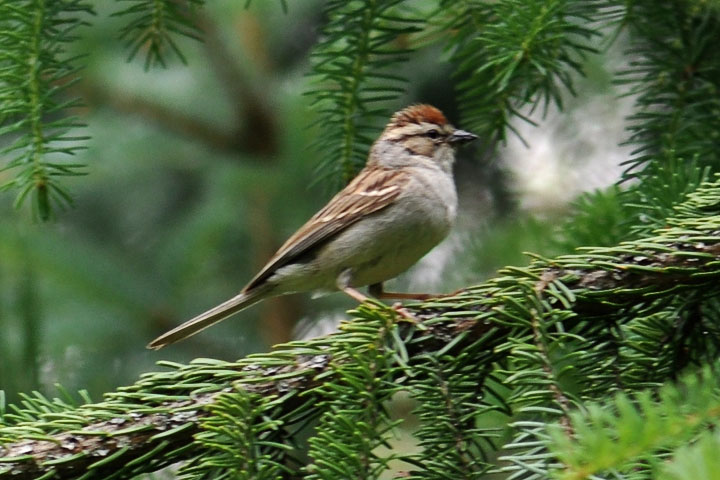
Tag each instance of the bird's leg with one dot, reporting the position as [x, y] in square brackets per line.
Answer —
[343, 283]
[377, 291]
[355, 293]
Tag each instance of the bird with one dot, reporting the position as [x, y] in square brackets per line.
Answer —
[398, 207]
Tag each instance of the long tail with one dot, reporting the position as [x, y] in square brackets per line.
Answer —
[209, 318]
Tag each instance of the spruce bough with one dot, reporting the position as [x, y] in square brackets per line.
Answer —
[530, 344]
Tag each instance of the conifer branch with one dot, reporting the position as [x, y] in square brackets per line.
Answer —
[34, 75]
[513, 54]
[142, 427]
[153, 26]
[613, 437]
[354, 73]
[674, 71]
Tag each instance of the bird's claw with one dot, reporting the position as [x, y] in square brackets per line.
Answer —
[402, 311]
[407, 316]
[452, 294]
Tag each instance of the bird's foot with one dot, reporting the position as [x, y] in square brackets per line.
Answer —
[407, 316]
[397, 307]
[404, 313]
[377, 291]
[451, 294]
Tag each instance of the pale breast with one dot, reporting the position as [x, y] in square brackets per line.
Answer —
[392, 240]
[385, 243]
[435, 196]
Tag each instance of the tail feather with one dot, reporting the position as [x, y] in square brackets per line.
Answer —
[207, 319]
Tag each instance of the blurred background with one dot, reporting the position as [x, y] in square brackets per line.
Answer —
[198, 173]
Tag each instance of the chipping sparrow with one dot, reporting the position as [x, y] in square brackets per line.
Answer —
[397, 209]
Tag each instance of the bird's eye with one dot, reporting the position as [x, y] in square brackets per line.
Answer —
[433, 134]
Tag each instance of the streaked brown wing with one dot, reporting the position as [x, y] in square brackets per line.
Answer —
[373, 189]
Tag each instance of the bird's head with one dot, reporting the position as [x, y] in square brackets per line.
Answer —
[419, 133]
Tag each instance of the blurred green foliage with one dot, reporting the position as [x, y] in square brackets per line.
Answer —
[197, 172]
[175, 212]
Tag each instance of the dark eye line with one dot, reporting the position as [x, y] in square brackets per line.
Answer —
[433, 133]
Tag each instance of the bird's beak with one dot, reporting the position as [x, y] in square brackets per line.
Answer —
[459, 137]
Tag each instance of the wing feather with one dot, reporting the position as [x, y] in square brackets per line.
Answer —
[373, 189]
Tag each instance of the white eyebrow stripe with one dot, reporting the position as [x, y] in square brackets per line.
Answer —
[416, 129]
